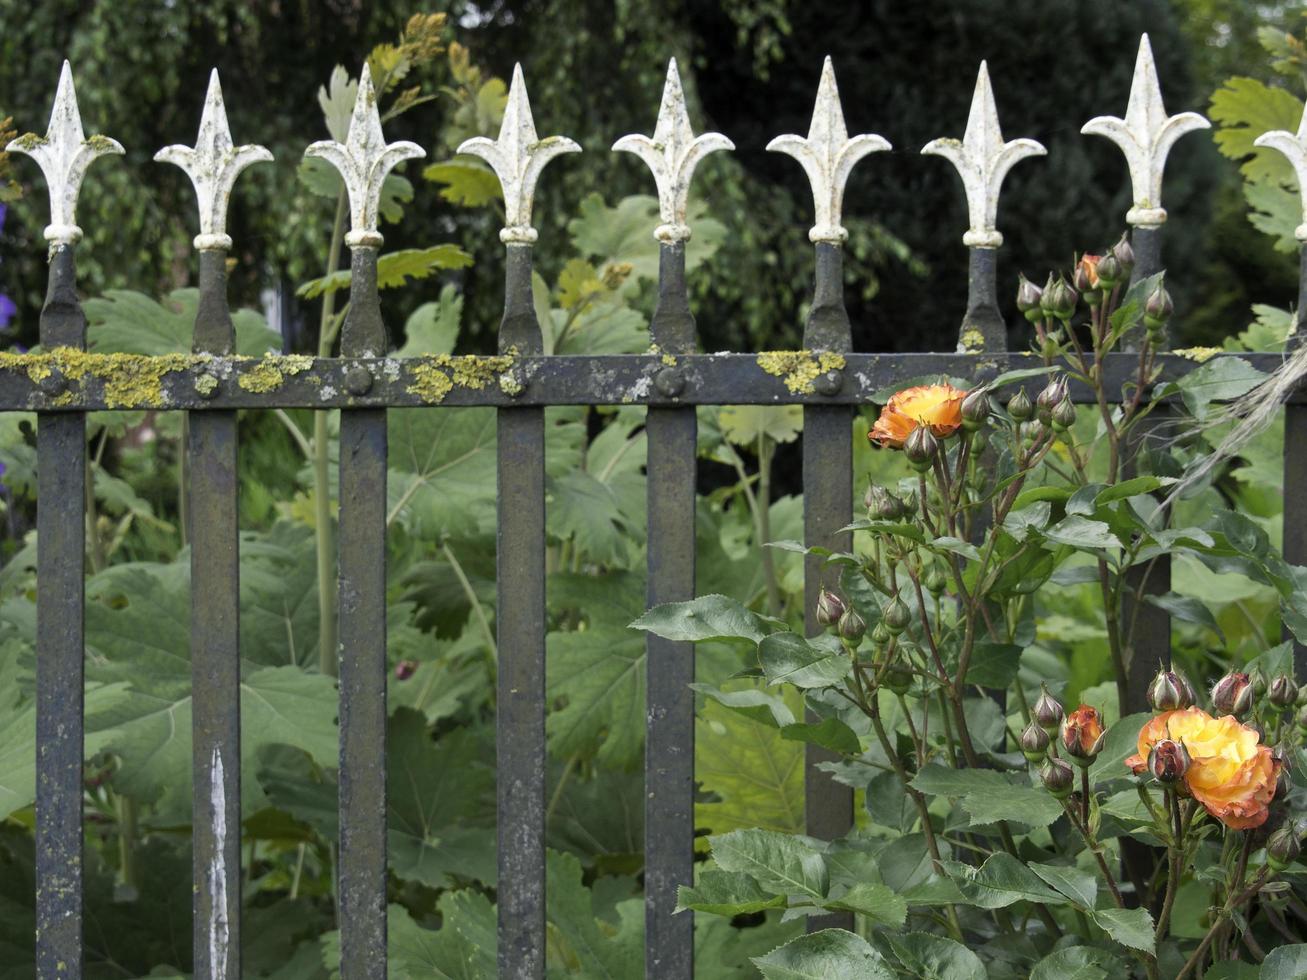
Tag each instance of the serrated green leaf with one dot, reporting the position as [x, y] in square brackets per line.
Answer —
[1079, 963]
[780, 862]
[1001, 881]
[124, 321]
[442, 470]
[1076, 884]
[1244, 108]
[433, 327]
[1285, 962]
[872, 899]
[1080, 532]
[937, 957]
[1129, 927]
[466, 180]
[829, 733]
[624, 233]
[753, 703]
[596, 948]
[755, 776]
[822, 956]
[588, 511]
[743, 424]
[1120, 742]
[599, 674]
[393, 269]
[709, 617]
[337, 99]
[788, 658]
[726, 893]
[988, 796]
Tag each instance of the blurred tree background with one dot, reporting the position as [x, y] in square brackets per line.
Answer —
[595, 70]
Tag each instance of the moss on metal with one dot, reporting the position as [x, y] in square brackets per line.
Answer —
[435, 377]
[799, 369]
[130, 380]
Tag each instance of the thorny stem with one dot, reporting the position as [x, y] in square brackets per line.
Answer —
[1226, 912]
[1173, 855]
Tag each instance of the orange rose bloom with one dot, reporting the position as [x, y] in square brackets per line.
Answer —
[1089, 263]
[1081, 731]
[937, 406]
[1230, 773]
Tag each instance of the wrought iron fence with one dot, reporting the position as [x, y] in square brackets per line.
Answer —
[63, 382]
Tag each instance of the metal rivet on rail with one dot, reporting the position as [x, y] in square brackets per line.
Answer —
[830, 383]
[206, 385]
[670, 382]
[53, 384]
[358, 380]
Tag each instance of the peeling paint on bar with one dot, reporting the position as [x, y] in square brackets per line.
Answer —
[218, 925]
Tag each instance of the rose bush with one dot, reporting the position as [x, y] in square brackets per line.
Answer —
[1002, 835]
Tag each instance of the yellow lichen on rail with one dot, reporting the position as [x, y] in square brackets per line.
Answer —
[799, 368]
[435, 377]
[130, 380]
[271, 370]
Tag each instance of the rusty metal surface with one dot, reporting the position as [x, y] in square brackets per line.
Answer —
[362, 650]
[61, 570]
[520, 636]
[215, 654]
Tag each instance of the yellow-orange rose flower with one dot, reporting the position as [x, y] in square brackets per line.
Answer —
[1089, 266]
[1082, 732]
[937, 406]
[1230, 773]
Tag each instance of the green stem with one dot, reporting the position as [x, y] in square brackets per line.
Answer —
[479, 611]
[764, 525]
[327, 654]
[128, 879]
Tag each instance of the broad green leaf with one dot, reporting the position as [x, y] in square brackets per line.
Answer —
[723, 952]
[337, 99]
[1186, 609]
[989, 796]
[780, 862]
[467, 181]
[1244, 108]
[830, 733]
[600, 819]
[584, 509]
[824, 955]
[726, 893]
[743, 424]
[936, 957]
[393, 269]
[755, 775]
[1079, 963]
[1285, 962]
[596, 948]
[994, 665]
[754, 703]
[1080, 532]
[598, 676]
[877, 902]
[322, 179]
[462, 949]
[1080, 886]
[1131, 488]
[442, 471]
[1223, 379]
[123, 321]
[1001, 881]
[433, 327]
[625, 233]
[709, 617]
[788, 658]
[1129, 927]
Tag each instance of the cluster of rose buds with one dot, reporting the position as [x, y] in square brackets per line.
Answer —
[1055, 739]
[834, 612]
[1052, 409]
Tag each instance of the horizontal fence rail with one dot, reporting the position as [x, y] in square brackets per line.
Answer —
[64, 382]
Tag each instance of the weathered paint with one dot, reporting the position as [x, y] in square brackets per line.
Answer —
[518, 157]
[363, 160]
[1145, 136]
[800, 369]
[219, 928]
[213, 166]
[64, 154]
[983, 160]
[828, 156]
[672, 155]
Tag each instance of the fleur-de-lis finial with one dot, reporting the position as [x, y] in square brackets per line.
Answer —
[213, 166]
[672, 154]
[363, 160]
[828, 156]
[1294, 148]
[64, 154]
[982, 160]
[518, 157]
[1145, 136]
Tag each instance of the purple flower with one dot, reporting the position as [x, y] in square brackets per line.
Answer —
[7, 311]
[3, 208]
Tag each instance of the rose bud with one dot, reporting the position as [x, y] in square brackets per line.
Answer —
[920, 448]
[1058, 777]
[851, 626]
[1085, 276]
[1302, 719]
[1082, 734]
[1169, 691]
[1047, 712]
[896, 616]
[1282, 849]
[908, 503]
[1258, 681]
[1059, 299]
[1124, 253]
[1109, 271]
[1054, 393]
[1064, 415]
[830, 608]
[1028, 296]
[936, 581]
[405, 669]
[898, 678]
[1283, 781]
[872, 500]
[1019, 407]
[880, 635]
[1233, 694]
[1168, 761]
[1158, 308]
[975, 410]
[1283, 691]
[1034, 742]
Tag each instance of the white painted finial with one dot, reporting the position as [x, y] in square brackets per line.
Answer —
[213, 166]
[64, 154]
[518, 157]
[672, 154]
[828, 156]
[1294, 147]
[982, 160]
[363, 160]
[1145, 136]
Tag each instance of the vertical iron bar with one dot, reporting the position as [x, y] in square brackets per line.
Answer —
[983, 317]
[1150, 642]
[669, 666]
[1295, 471]
[61, 565]
[215, 652]
[520, 622]
[362, 644]
[827, 507]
